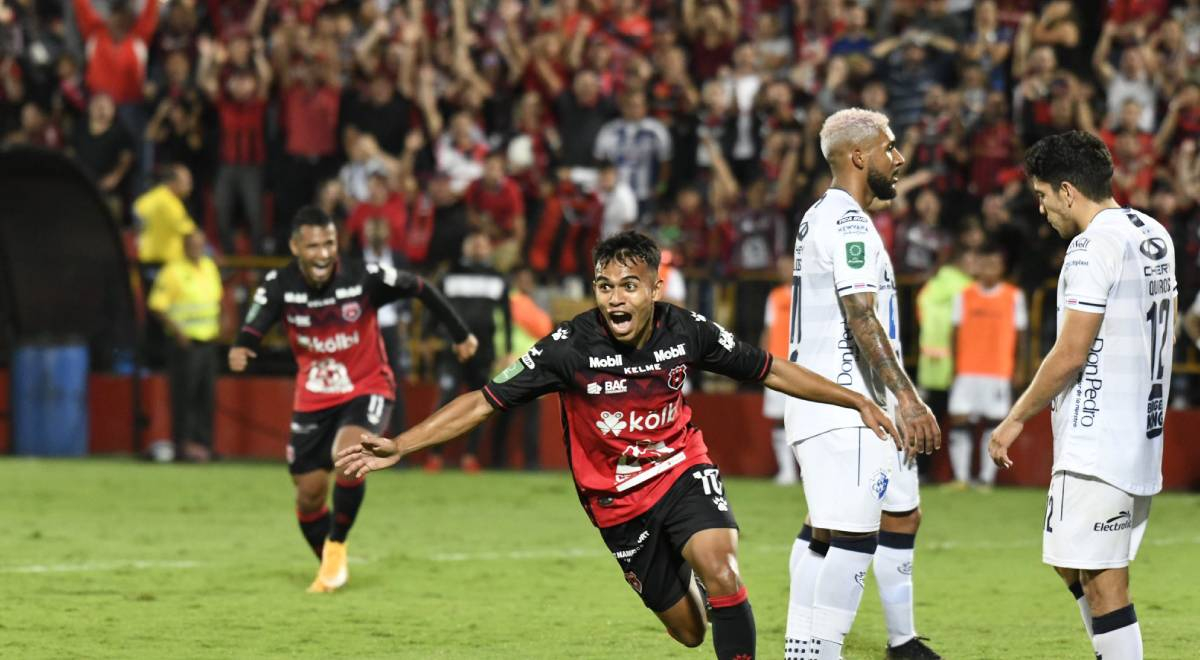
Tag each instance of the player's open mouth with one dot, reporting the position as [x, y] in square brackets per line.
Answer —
[321, 271]
[621, 322]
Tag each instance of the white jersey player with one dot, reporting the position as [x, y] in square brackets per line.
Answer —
[845, 327]
[1107, 378]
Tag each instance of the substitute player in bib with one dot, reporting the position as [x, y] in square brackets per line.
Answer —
[863, 503]
[990, 341]
[344, 386]
[1107, 380]
[640, 466]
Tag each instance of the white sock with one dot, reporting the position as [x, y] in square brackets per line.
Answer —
[838, 592]
[987, 467]
[803, 566]
[960, 453]
[783, 457]
[1085, 610]
[1117, 635]
[893, 575]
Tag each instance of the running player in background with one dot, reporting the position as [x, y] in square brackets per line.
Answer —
[775, 341]
[1107, 380]
[641, 468]
[344, 387]
[863, 500]
[990, 343]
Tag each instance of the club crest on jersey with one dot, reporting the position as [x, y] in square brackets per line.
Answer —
[351, 311]
[676, 377]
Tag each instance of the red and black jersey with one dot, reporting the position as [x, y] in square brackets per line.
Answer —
[627, 427]
[333, 330]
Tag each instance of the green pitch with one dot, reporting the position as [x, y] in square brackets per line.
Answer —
[115, 559]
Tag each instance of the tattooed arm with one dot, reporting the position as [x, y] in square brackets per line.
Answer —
[916, 421]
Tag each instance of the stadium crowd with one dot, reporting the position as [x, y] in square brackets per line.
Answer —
[550, 125]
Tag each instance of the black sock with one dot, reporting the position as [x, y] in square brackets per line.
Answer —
[347, 497]
[315, 527]
[733, 626]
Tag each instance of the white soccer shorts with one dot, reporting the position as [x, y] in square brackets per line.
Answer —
[774, 403]
[980, 397]
[846, 474]
[903, 491]
[1091, 524]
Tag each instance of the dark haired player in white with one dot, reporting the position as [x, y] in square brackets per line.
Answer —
[344, 386]
[641, 467]
[1107, 378]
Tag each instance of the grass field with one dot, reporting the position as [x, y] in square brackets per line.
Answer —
[117, 559]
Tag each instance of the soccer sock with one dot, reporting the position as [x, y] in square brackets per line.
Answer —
[987, 467]
[347, 497]
[783, 455]
[803, 565]
[960, 453]
[893, 576]
[732, 626]
[1084, 609]
[838, 592]
[1117, 636]
[315, 527]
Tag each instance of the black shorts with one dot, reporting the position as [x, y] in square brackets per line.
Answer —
[649, 548]
[311, 444]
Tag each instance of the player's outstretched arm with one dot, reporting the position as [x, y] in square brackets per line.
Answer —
[448, 422]
[794, 380]
[917, 424]
[1060, 367]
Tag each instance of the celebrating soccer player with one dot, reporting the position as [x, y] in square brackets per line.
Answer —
[845, 326]
[640, 466]
[344, 387]
[1108, 376]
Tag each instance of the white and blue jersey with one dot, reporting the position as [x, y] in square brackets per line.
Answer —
[838, 253]
[638, 149]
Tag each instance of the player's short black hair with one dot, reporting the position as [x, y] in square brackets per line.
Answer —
[993, 248]
[1076, 157]
[310, 216]
[627, 248]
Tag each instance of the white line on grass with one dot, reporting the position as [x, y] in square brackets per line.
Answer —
[589, 553]
[90, 566]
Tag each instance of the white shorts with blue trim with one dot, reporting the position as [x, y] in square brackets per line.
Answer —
[847, 474]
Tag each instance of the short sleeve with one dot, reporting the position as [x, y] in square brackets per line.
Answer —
[854, 250]
[1090, 270]
[1020, 313]
[545, 368]
[386, 284]
[720, 352]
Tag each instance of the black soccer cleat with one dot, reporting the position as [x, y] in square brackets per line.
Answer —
[914, 649]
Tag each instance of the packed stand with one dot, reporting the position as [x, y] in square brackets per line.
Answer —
[548, 126]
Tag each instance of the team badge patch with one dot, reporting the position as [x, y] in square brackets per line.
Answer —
[676, 377]
[633, 581]
[856, 254]
[879, 484]
[351, 311]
